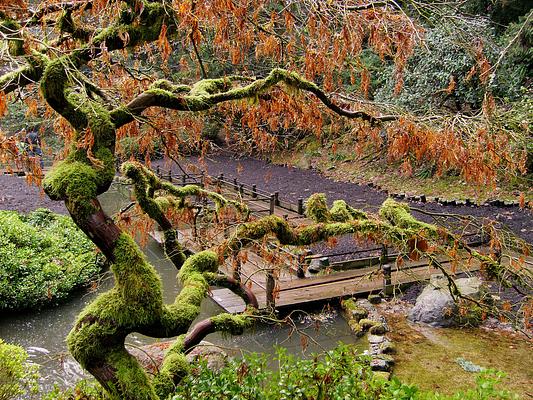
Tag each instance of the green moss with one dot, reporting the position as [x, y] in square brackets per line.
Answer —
[43, 258]
[74, 182]
[233, 324]
[367, 323]
[399, 215]
[316, 208]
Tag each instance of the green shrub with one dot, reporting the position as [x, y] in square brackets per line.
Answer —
[339, 374]
[18, 377]
[84, 390]
[43, 257]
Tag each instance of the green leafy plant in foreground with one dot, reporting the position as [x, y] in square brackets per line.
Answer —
[18, 377]
[43, 257]
[339, 374]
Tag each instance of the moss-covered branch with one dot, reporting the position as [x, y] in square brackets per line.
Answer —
[207, 93]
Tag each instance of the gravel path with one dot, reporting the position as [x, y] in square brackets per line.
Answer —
[293, 183]
[16, 194]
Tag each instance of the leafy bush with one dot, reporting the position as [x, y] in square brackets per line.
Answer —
[43, 257]
[18, 377]
[428, 74]
[339, 374]
[84, 390]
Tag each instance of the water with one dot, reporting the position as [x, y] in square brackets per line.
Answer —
[43, 333]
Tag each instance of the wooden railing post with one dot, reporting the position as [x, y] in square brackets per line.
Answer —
[254, 191]
[170, 176]
[387, 280]
[276, 198]
[384, 255]
[158, 171]
[241, 189]
[300, 206]
[272, 204]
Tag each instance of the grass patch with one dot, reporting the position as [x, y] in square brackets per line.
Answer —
[427, 357]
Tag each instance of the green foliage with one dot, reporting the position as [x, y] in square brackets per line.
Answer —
[43, 257]
[18, 377]
[428, 74]
[84, 390]
[517, 64]
[338, 374]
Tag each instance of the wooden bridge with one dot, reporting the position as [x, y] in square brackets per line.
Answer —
[280, 276]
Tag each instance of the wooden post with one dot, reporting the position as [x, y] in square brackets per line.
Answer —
[235, 184]
[270, 286]
[387, 280]
[383, 256]
[202, 179]
[158, 171]
[276, 197]
[272, 204]
[170, 175]
[183, 180]
[254, 191]
[300, 206]
[241, 189]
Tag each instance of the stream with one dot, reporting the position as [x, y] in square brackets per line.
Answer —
[43, 333]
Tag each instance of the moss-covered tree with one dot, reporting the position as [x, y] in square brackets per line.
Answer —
[72, 51]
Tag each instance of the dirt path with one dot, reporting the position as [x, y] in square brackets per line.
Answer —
[16, 194]
[293, 183]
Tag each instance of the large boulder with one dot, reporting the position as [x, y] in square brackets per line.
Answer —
[435, 306]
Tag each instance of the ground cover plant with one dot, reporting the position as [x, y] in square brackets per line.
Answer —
[18, 376]
[337, 374]
[43, 258]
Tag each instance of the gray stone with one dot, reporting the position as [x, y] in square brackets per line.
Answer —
[216, 357]
[382, 363]
[435, 305]
[375, 339]
[318, 264]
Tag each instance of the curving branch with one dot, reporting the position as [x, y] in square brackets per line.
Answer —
[209, 92]
[146, 185]
[243, 291]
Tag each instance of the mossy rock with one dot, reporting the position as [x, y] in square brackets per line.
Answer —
[387, 347]
[356, 328]
[354, 311]
[374, 299]
[367, 323]
[383, 375]
[378, 329]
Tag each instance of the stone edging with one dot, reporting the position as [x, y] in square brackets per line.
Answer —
[364, 319]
